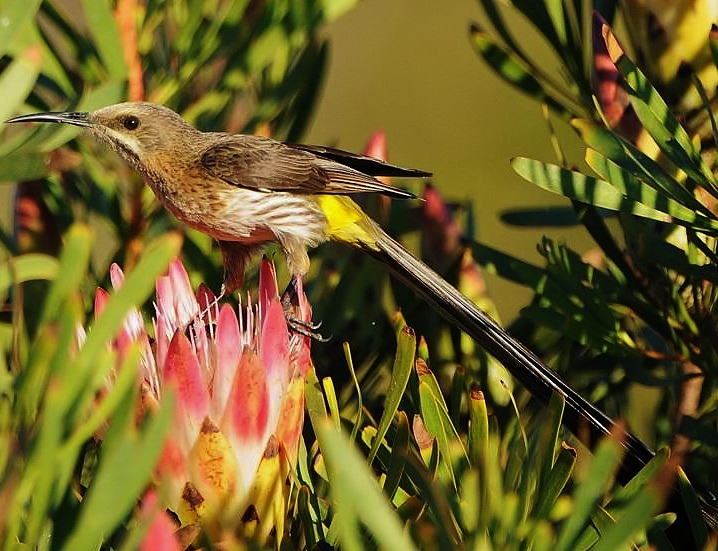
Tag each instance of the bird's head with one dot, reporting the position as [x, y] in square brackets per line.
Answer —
[138, 131]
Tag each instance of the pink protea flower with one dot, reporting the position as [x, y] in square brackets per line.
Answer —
[238, 385]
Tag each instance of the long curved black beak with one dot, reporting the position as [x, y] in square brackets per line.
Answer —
[75, 118]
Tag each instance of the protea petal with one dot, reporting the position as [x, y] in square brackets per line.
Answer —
[117, 276]
[291, 419]
[376, 147]
[161, 533]
[216, 467]
[273, 343]
[173, 471]
[299, 345]
[101, 298]
[268, 290]
[238, 383]
[268, 495]
[246, 418]
[208, 304]
[176, 306]
[274, 351]
[183, 300]
[192, 506]
[132, 331]
[441, 235]
[182, 372]
[611, 95]
[227, 342]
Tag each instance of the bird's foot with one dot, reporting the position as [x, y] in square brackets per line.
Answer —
[296, 323]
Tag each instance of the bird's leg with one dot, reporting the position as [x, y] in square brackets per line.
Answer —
[234, 257]
[295, 251]
[293, 316]
[290, 305]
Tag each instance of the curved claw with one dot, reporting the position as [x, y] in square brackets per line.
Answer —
[306, 329]
[309, 325]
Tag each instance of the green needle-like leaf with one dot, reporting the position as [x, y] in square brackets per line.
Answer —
[103, 27]
[632, 522]
[403, 364]
[637, 163]
[601, 193]
[635, 188]
[73, 266]
[556, 480]
[356, 495]
[27, 267]
[513, 70]
[603, 467]
[438, 422]
[399, 451]
[17, 15]
[16, 81]
[118, 482]
[478, 437]
[657, 118]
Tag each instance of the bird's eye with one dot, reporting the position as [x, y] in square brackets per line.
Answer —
[131, 122]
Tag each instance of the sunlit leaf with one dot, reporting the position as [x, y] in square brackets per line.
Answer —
[403, 364]
[637, 163]
[693, 507]
[635, 188]
[16, 16]
[603, 194]
[356, 495]
[656, 116]
[16, 81]
[604, 465]
[103, 27]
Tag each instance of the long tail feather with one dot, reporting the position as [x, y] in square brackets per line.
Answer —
[523, 364]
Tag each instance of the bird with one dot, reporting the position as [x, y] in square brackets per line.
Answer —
[242, 190]
[246, 191]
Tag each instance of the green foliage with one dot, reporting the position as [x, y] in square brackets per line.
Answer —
[53, 405]
[406, 452]
[465, 485]
[643, 312]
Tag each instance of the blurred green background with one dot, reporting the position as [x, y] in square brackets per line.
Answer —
[407, 67]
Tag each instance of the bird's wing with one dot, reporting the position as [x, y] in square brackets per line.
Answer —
[362, 163]
[263, 164]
